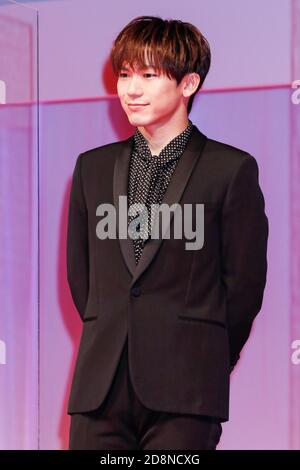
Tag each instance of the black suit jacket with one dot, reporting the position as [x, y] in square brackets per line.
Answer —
[187, 313]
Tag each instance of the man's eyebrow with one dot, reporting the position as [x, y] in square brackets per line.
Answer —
[139, 68]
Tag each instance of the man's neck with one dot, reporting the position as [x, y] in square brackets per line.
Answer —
[159, 137]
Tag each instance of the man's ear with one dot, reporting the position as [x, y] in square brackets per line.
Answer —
[191, 83]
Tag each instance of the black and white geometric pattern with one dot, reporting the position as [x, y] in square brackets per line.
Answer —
[149, 176]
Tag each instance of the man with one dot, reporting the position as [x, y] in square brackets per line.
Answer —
[164, 322]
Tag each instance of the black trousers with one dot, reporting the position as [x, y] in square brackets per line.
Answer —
[122, 422]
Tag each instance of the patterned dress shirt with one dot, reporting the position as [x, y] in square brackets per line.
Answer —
[149, 177]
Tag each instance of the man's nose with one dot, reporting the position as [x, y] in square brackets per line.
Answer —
[134, 86]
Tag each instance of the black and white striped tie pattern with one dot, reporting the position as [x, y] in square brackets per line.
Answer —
[149, 177]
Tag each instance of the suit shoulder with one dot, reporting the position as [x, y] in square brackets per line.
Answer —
[106, 150]
[226, 153]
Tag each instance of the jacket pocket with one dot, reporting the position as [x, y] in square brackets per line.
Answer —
[203, 320]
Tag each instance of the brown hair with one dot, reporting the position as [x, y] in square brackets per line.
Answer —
[173, 46]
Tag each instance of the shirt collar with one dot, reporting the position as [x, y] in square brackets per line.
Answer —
[170, 152]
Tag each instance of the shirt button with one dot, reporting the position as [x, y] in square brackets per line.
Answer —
[136, 291]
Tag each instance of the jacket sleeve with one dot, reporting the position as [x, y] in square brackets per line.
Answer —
[244, 253]
[77, 242]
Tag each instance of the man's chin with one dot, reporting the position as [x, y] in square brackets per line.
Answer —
[138, 122]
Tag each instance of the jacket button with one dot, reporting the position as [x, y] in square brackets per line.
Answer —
[136, 291]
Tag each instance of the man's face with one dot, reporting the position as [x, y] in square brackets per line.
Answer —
[158, 95]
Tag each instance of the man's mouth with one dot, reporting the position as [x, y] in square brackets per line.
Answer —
[136, 106]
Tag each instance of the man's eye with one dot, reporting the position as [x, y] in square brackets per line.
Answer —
[125, 74]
